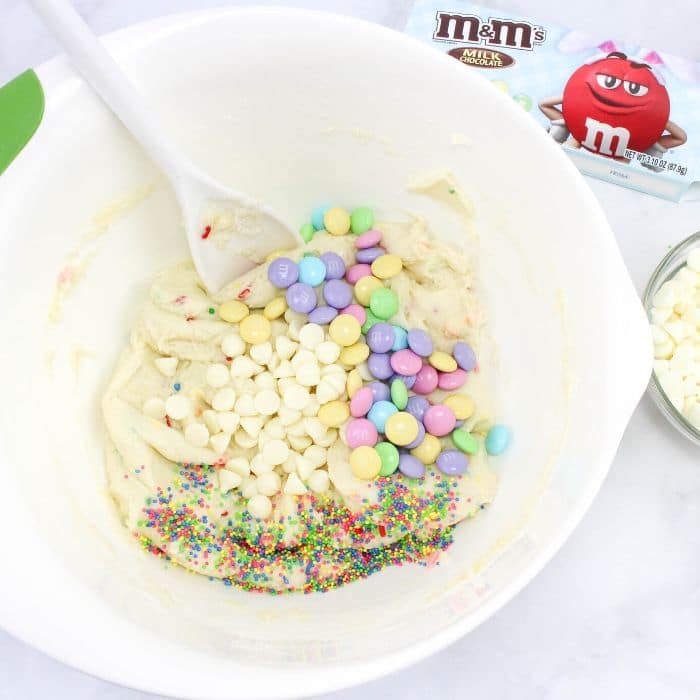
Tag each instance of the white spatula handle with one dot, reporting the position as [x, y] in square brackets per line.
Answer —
[96, 65]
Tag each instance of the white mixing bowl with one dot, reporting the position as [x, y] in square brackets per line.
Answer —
[295, 108]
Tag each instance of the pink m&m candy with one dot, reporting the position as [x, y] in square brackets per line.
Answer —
[406, 362]
[361, 431]
[368, 239]
[452, 380]
[361, 402]
[357, 272]
[426, 380]
[357, 311]
[439, 420]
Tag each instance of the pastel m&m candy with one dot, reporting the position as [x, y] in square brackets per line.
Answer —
[369, 255]
[406, 362]
[380, 391]
[365, 289]
[301, 298]
[389, 456]
[464, 356]
[428, 450]
[283, 272]
[426, 380]
[365, 462]
[361, 220]
[442, 361]
[335, 267]
[417, 406]
[400, 337]
[317, 216]
[357, 311]
[401, 428]
[354, 354]
[255, 329]
[420, 342]
[399, 394]
[336, 221]
[497, 439]
[465, 441]
[360, 431]
[462, 406]
[452, 462]
[418, 439]
[368, 239]
[345, 330]
[312, 271]
[380, 337]
[356, 272]
[383, 302]
[379, 365]
[380, 412]
[322, 315]
[361, 402]
[387, 266]
[449, 381]
[439, 420]
[337, 293]
[411, 466]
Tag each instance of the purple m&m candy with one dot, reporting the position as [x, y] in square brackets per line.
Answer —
[380, 391]
[420, 342]
[322, 315]
[369, 255]
[411, 466]
[335, 267]
[380, 337]
[337, 293]
[301, 298]
[408, 379]
[464, 355]
[419, 438]
[379, 365]
[451, 462]
[417, 406]
[283, 272]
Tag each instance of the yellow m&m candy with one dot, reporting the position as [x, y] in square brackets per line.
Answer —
[386, 266]
[364, 288]
[345, 330]
[401, 428]
[255, 329]
[334, 413]
[233, 311]
[355, 354]
[336, 221]
[428, 451]
[462, 406]
[275, 308]
[365, 462]
[354, 382]
[442, 361]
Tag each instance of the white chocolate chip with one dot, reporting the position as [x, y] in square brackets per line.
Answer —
[224, 399]
[273, 363]
[269, 483]
[167, 366]
[285, 347]
[304, 467]
[154, 408]
[287, 415]
[218, 375]
[316, 455]
[274, 429]
[294, 485]
[243, 366]
[239, 465]
[303, 357]
[319, 482]
[311, 335]
[245, 406]
[261, 353]
[228, 421]
[229, 480]
[296, 397]
[252, 425]
[275, 452]
[308, 374]
[327, 352]
[178, 406]
[260, 506]
[284, 369]
[197, 434]
[220, 442]
[249, 487]
[328, 438]
[211, 420]
[278, 327]
[232, 345]
[311, 408]
[290, 464]
[678, 330]
[299, 442]
[296, 429]
[294, 328]
[242, 439]
[314, 427]
[265, 380]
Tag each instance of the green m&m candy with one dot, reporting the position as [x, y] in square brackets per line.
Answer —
[399, 394]
[389, 456]
[307, 232]
[465, 441]
[361, 220]
[369, 321]
[384, 303]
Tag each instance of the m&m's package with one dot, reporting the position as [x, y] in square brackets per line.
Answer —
[625, 113]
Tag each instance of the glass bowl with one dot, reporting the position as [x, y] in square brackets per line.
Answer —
[667, 268]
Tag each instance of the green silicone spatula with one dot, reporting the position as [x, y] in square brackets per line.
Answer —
[228, 232]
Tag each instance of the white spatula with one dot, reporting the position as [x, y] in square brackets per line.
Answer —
[227, 231]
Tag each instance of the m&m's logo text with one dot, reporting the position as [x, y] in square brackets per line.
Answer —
[471, 29]
[482, 58]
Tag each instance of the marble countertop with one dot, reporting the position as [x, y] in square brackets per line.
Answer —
[616, 614]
